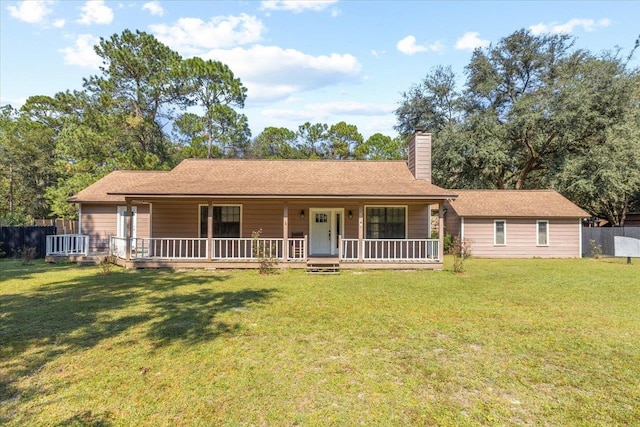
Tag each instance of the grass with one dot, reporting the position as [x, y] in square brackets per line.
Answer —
[509, 342]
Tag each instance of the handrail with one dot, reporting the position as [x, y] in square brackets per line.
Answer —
[67, 244]
[384, 250]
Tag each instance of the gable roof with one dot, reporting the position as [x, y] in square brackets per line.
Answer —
[285, 178]
[99, 190]
[514, 203]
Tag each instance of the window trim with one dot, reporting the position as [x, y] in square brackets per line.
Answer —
[495, 232]
[406, 219]
[200, 205]
[538, 222]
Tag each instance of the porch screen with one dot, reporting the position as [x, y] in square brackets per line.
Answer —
[386, 223]
[226, 221]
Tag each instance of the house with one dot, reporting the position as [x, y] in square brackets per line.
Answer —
[516, 223]
[227, 213]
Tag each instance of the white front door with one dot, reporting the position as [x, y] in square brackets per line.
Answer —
[121, 229]
[325, 225]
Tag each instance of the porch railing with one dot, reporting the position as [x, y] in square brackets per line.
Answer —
[169, 248]
[385, 250]
[249, 249]
[67, 244]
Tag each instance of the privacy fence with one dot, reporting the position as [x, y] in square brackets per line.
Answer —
[15, 238]
[603, 236]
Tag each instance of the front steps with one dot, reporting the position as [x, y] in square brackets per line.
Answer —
[323, 266]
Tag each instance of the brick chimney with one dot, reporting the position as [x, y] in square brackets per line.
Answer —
[419, 155]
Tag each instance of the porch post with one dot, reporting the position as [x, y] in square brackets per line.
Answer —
[360, 232]
[428, 220]
[128, 231]
[285, 232]
[441, 231]
[210, 229]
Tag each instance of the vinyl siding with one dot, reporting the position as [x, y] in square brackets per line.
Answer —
[180, 218]
[564, 238]
[99, 222]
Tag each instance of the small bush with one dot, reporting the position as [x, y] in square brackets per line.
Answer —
[2, 253]
[447, 242]
[27, 253]
[267, 260]
[596, 249]
[460, 249]
[106, 266]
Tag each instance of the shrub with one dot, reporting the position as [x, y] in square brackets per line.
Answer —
[2, 253]
[27, 253]
[267, 260]
[460, 249]
[106, 266]
[447, 242]
[596, 249]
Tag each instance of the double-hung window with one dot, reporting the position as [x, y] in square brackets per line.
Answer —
[386, 222]
[542, 232]
[500, 232]
[226, 221]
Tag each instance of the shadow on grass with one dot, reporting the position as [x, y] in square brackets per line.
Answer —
[38, 326]
[87, 419]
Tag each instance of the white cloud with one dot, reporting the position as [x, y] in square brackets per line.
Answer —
[352, 108]
[193, 35]
[59, 23]
[31, 11]
[82, 52]
[95, 12]
[14, 102]
[154, 8]
[408, 46]
[379, 118]
[569, 26]
[471, 41]
[298, 6]
[272, 73]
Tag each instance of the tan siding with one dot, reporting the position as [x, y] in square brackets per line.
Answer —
[419, 156]
[452, 222]
[99, 222]
[180, 218]
[564, 238]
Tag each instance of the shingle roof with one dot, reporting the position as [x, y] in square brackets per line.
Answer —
[285, 178]
[514, 203]
[99, 191]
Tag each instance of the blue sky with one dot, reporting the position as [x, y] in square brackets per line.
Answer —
[316, 61]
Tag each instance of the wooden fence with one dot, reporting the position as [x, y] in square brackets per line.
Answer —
[603, 236]
[63, 226]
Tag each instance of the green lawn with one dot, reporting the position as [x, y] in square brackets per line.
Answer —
[521, 342]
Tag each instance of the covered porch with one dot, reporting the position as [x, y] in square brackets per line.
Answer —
[238, 233]
[287, 252]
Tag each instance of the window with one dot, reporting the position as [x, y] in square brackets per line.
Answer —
[226, 221]
[543, 232]
[500, 232]
[386, 222]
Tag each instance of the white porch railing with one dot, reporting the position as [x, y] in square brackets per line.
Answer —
[297, 248]
[67, 244]
[386, 250]
[169, 248]
[247, 249]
